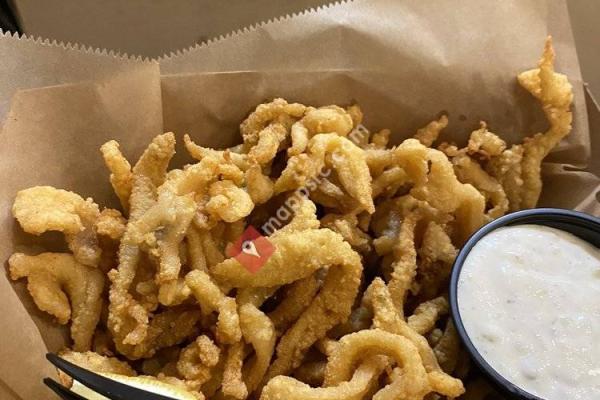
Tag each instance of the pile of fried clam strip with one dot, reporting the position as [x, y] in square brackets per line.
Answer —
[352, 303]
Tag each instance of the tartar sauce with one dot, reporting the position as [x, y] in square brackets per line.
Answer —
[529, 299]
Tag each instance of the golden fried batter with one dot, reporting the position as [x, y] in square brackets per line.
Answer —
[65, 289]
[555, 93]
[43, 208]
[121, 177]
[429, 134]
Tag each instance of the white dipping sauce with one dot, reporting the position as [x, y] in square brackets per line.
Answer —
[529, 299]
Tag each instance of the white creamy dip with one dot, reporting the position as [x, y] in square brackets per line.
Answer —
[529, 299]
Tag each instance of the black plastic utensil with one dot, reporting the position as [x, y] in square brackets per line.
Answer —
[98, 383]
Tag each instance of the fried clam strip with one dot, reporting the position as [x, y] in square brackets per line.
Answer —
[65, 289]
[144, 288]
[389, 182]
[470, 171]
[378, 159]
[305, 217]
[258, 331]
[176, 207]
[128, 319]
[360, 318]
[212, 299]
[110, 227]
[270, 140]
[231, 231]
[436, 244]
[434, 336]
[326, 247]
[165, 329]
[484, 143]
[447, 348]
[196, 255]
[555, 93]
[430, 132]
[204, 252]
[347, 226]
[360, 135]
[386, 318]
[404, 268]
[299, 172]
[325, 151]
[387, 220]
[211, 388]
[172, 215]
[259, 185]
[211, 177]
[348, 161]
[263, 115]
[121, 177]
[197, 360]
[228, 202]
[435, 182]
[331, 306]
[154, 162]
[173, 292]
[386, 225]
[44, 208]
[329, 194]
[254, 295]
[172, 288]
[356, 388]
[436, 255]
[297, 297]
[507, 169]
[328, 119]
[110, 223]
[426, 315]
[356, 115]
[380, 139]
[199, 153]
[362, 345]
[233, 384]
[327, 345]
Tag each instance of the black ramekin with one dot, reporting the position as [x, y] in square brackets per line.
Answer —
[579, 224]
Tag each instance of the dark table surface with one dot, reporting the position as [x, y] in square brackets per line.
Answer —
[8, 19]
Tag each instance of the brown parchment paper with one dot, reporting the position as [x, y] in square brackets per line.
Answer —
[30, 63]
[51, 136]
[403, 62]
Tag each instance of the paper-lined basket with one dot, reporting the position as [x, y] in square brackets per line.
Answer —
[403, 62]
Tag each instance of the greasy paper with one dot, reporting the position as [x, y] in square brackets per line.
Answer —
[403, 62]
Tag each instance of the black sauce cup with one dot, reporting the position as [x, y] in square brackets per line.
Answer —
[579, 224]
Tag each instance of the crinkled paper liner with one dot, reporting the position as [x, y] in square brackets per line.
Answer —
[403, 62]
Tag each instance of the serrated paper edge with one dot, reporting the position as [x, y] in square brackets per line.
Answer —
[80, 47]
[73, 46]
[250, 28]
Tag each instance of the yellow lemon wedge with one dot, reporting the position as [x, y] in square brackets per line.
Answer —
[140, 382]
